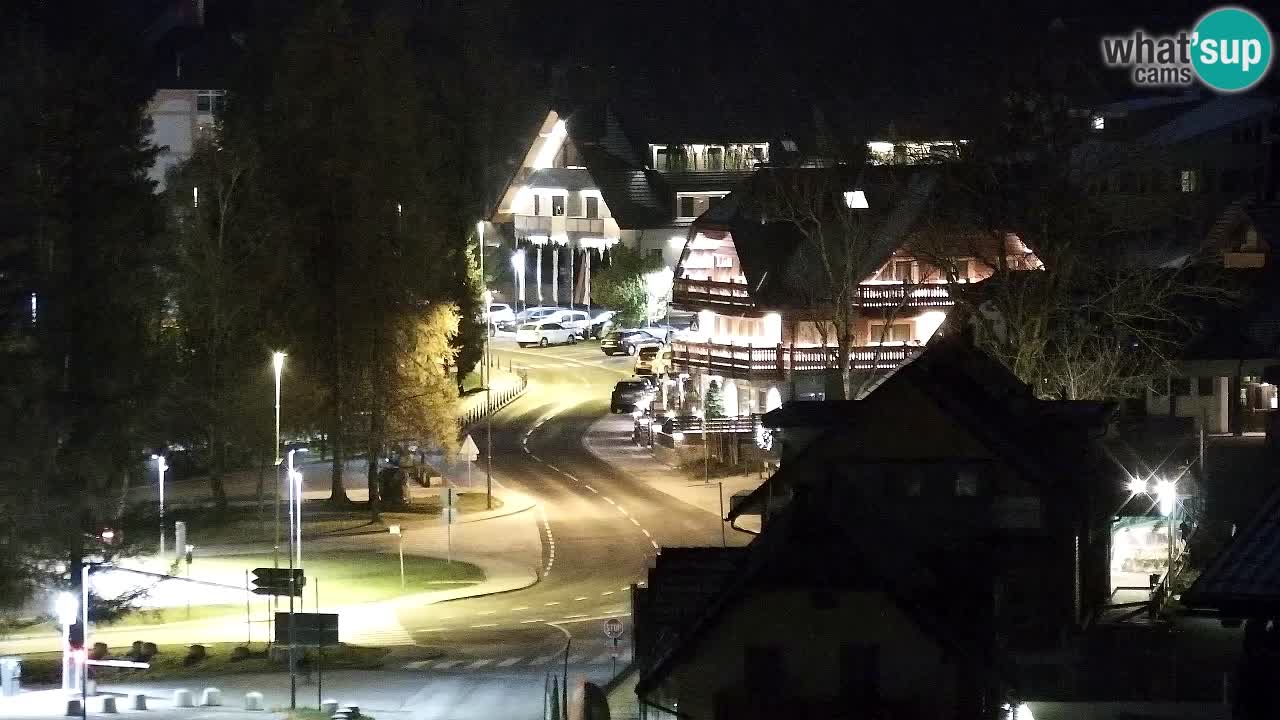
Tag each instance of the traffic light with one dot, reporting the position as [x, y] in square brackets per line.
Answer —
[275, 581]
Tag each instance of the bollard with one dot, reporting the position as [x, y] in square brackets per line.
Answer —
[73, 708]
[138, 701]
[182, 698]
[329, 707]
[253, 701]
[109, 705]
[211, 697]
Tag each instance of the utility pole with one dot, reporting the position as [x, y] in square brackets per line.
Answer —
[486, 376]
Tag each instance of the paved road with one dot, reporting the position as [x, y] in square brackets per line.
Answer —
[599, 532]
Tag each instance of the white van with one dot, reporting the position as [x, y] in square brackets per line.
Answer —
[575, 320]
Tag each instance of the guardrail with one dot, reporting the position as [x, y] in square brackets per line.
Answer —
[495, 402]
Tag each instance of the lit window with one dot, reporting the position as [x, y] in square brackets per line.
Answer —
[1099, 123]
[210, 101]
[855, 199]
[557, 205]
[1189, 181]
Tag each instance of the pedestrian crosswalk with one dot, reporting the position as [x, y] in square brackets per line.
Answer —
[598, 655]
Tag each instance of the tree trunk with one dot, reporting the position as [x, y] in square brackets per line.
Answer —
[338, 491]
[374, 455]
[217, 490]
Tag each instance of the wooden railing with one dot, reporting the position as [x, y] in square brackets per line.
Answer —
[533, 224]
[709, 293]
[693, 424]
[712, 294]
[745, 361]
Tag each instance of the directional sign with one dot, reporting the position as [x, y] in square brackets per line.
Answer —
[313, 629]
[275, 581]
[613, 628]
[468, 451]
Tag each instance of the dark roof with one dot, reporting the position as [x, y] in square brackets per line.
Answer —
[809, 547]
[567, 178]
[1244, 578]
[635, 197]
[1050, 441]
[779, 262]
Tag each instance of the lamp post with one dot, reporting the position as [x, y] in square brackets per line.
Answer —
[517, 264]
[395, 530]
[486, 377]
[277, 363]
[161, 466]
[295, 504]
[66, 608]
[1167, 496]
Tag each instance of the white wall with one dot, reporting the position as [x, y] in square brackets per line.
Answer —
[1210, 409]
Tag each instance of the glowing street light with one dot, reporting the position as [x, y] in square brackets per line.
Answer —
[66, 608]
[1137, 486]
[277, 364]
[517, 264]
[1167, 495]
[161, 466]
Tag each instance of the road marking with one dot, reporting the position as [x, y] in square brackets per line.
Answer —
[646, 533]
[591, 489]
[635, 522]
[478, 664]
[570, 617]
[571, 477]
[623, 511]
[553, 467]
[606, 499]
[580, 599]
[417, 665]
[487, 612]
[508, 662]
[626, 588]
[535, 457]
[518, 609]
[544, 659]
[553, 602]
[485, 625]
[434, 629]
[607, 592]
[447, 664]
[534, 620]
[654, 544]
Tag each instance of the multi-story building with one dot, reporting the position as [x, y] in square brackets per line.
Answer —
[586, 184]
[765, 329]
[195, 46]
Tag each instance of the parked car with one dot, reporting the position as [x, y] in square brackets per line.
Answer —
[628, 395]
[576, 320]
[527, 315]
[602, 323]
[543, 334]
[653, 360]
[500, 312]
[626, 342]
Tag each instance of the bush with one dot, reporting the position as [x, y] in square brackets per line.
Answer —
[240, 653]
[99, 651]
[195, 654]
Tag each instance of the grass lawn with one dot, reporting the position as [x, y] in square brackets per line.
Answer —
[43, 668]
[349, 577]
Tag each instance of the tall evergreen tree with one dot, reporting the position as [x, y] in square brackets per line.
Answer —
[81, 319]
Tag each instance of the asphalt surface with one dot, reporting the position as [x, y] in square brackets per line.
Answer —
[599, 530]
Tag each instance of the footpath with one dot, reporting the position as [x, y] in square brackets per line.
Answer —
[609, 439]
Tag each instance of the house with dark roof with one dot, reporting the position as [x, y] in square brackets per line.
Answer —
[758, 278]
[957, 457]
[819, 618]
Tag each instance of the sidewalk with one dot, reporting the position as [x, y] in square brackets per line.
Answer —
[609, 439]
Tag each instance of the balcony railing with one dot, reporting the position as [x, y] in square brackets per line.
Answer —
[747, 361]
[584, 226]
[527, 225]
[710, 294]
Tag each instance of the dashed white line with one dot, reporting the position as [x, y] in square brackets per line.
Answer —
[485, 625]
[635, 522]
[487, 612]
[580, 598]
[607, 592]
[646, 533]
[578, 615]
[518, 609]
[534, 620]
[591, 489]
[553, 602]
[478, 664]
[508, 662]
[606, 499]
[654, 544]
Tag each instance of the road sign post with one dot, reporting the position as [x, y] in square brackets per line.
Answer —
[613, 629]
[470, 453]
[448, 525]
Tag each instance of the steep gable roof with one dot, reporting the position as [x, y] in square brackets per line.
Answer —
[1245, 577]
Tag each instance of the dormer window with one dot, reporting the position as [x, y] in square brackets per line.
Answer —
[210, 102]
[689, 205]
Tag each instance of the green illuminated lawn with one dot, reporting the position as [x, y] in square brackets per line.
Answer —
[349, 577]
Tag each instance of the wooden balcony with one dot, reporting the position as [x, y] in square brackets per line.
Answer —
[750, 362]
[710, 295]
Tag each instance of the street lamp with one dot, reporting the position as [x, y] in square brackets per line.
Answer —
[517, 264]
[161, 466]
[1167, 496]
[486, 376]
[277, 363]
[66, 608]
[1137, 486]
